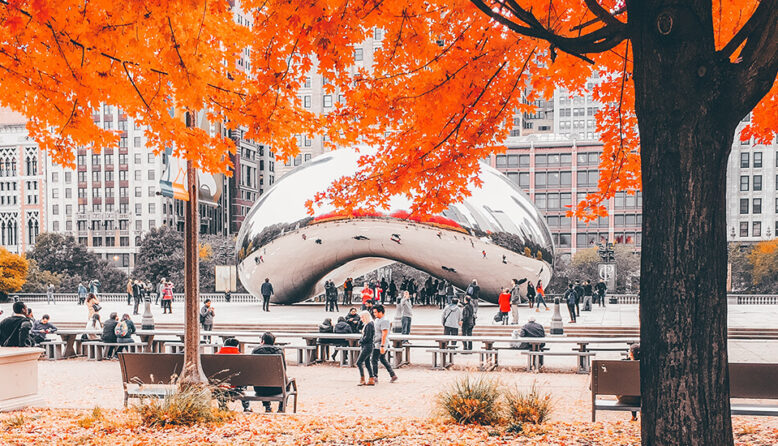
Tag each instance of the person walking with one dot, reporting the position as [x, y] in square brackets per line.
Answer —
[474, 291]
[167, 298]
[468, 322]
[348, 290]
[540, 297]
[366, 352]
[452, 320]
[515, 301]
[160, 290]
[333, 297]
[570, 299]
[579, 293]
[381, 343]
[206, 317]
[266, 290]
[405, 312]
[449, 293]
[50, 294]
[587, 290]
[81, 293]
[601, 288]
[92, 306]
[137, 294]
[392, 291]
[94, 287]
[130, 290]
[504, 301]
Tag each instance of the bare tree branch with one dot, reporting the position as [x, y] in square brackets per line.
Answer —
[598, 41]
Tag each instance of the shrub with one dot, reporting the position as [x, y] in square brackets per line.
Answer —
[15, 421]
[472, 400]
[187, 406]
[88, 421]
[527, 407]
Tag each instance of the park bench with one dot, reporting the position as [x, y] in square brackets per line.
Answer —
[153, 375]
[747, 381]
[178, 347]
[306, 354]
[534, 359]
[53, 349]
[443, 358]
[248, 371]
[95, 350]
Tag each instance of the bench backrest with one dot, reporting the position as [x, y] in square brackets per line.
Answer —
[758, 381]
[746, 380]
[151, 368]
[246, 370]
[615, 377]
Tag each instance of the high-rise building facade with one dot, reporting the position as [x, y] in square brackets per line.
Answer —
[752, 191]
[22, 185]
[557, 172]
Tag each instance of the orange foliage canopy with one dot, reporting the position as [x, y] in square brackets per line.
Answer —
[440, 94]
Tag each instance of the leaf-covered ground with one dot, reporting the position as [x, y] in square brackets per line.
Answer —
[74, 427]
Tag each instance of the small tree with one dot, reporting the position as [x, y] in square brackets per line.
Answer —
[161, 255]
[764, 261]
[585, 267]
[38, 279]
[13, 272]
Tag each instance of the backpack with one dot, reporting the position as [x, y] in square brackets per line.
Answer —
[202, 318]
[121, 329]
[515, 334]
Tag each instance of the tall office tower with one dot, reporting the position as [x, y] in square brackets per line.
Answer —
[22, 185]
[557, 172]
[752, 190]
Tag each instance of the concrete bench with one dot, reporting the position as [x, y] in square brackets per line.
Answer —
[53, 349]
[535, 359]
[746, 381]
[349, 355]
[443, 358]
[305, 353]
[95, 351]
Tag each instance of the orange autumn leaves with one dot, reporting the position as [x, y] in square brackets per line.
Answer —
[440, 95]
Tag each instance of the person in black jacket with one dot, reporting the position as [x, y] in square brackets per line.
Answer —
[587, 293]
[266, 290]
[109, 334]
[342, 327]
[15, 330]
[531, 294]
[353, 320]
[579, 293]
[570, 299]
[268, 347]
[468, 322]
[366, 342]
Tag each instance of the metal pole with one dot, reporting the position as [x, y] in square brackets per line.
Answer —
[193, 370]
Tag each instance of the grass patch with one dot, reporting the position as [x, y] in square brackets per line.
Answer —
[187, 406]
[527, 407]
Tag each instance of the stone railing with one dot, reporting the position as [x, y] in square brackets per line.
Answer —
[122, 297]
[752, 299]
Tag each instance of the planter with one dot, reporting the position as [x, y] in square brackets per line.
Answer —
[19, 372]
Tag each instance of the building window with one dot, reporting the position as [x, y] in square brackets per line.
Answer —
[307, 101]
[327, 101]
[124, 241]
[757, 160]
[67, 177]
[524, 180]
[55, 209]
[744, 229]
[55, 193]
[744, 164]
[378, 34]
[743, 206]
[757, 182]
[744, 183]
[540, 180]
[756, 229]
[136, 142]
[150, 175]
[307, 83]
[151, 208]
[358, 54]
[757, 207]
[97, 241]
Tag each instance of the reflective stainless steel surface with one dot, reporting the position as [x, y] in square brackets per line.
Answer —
[495, 235]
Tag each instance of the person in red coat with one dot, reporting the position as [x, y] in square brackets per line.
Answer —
[505, 305]
[231, 348]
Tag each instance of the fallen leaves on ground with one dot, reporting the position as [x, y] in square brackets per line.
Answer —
[117, 427]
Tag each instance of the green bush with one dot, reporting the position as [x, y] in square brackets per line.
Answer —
[527, 407]
[472, 400]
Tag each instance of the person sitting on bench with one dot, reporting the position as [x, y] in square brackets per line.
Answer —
[632, 400]
[532, 329]
[268, 348]
[231, 348]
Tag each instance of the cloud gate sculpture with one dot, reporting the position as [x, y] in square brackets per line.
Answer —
[494, 236]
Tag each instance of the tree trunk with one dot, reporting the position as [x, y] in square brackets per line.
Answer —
[686, 136]
[193, 370]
